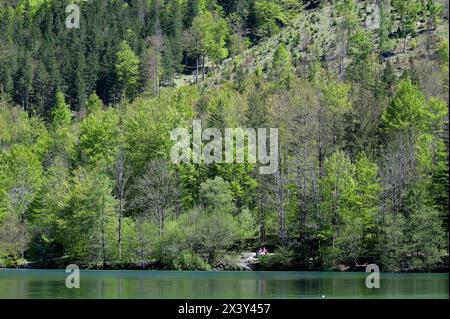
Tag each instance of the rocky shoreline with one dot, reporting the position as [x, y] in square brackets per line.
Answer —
[244, 261]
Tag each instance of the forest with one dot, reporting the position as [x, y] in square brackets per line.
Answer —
[357, 89]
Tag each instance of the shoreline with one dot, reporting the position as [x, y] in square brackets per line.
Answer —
[353, 270]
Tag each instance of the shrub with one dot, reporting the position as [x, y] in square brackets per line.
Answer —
[190, 261]
[172, 243]
[215, 195]
[248, 227]
[215, 233]
[282, 259]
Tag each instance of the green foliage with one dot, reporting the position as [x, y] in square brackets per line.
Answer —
[189, 261]
[443, 54]
[444, 58]
[338, 185]
[353, 193]
[427, 238]
[16, 127]
[282, 66]
[367, 204]
[94, 104]
[268, 14]
[241, 182]
[408, 13]
[174, 241]
[130, 252]
[215, 196]
[248, 227]
[47, 208]
[198, 234]
[436, 113]
[216, 232]
[21, 173]
[146, 240]
[424, 235]
[385, 44]
[360, 46]
[61, 113]
[210, 33]
[99, 135]
[189, 175]
[415, 241]
[347, 10]
[363, 174]
[336, 96]
[282, 259]
[14, 240]
[127, 69]
[88, 212]
[407, 110]
[392, 248]
[148, 125]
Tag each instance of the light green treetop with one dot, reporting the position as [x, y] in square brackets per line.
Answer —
[61, 113]
[127, 69]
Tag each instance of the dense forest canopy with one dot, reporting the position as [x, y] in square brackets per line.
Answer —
[357, 89]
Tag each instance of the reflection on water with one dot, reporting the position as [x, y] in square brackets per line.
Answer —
[25, 283]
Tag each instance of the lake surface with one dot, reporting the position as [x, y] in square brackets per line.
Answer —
[27, 283]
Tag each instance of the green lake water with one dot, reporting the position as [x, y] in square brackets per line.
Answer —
[27, 283]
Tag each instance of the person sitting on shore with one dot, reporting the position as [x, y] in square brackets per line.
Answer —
[259, 252]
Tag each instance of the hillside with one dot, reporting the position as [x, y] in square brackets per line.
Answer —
[313, 35]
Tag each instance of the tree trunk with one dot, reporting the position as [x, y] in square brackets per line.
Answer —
[103, 232]
[302, 211]
[404, 43]
[334, 132]
[262, 227]
[196, 69]
[203, 67]
[321, 156]
[121, 180]
[157, 78]
[320, 142]
[280, 197]
[119, 241]
[238, 44]
[161, 222]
